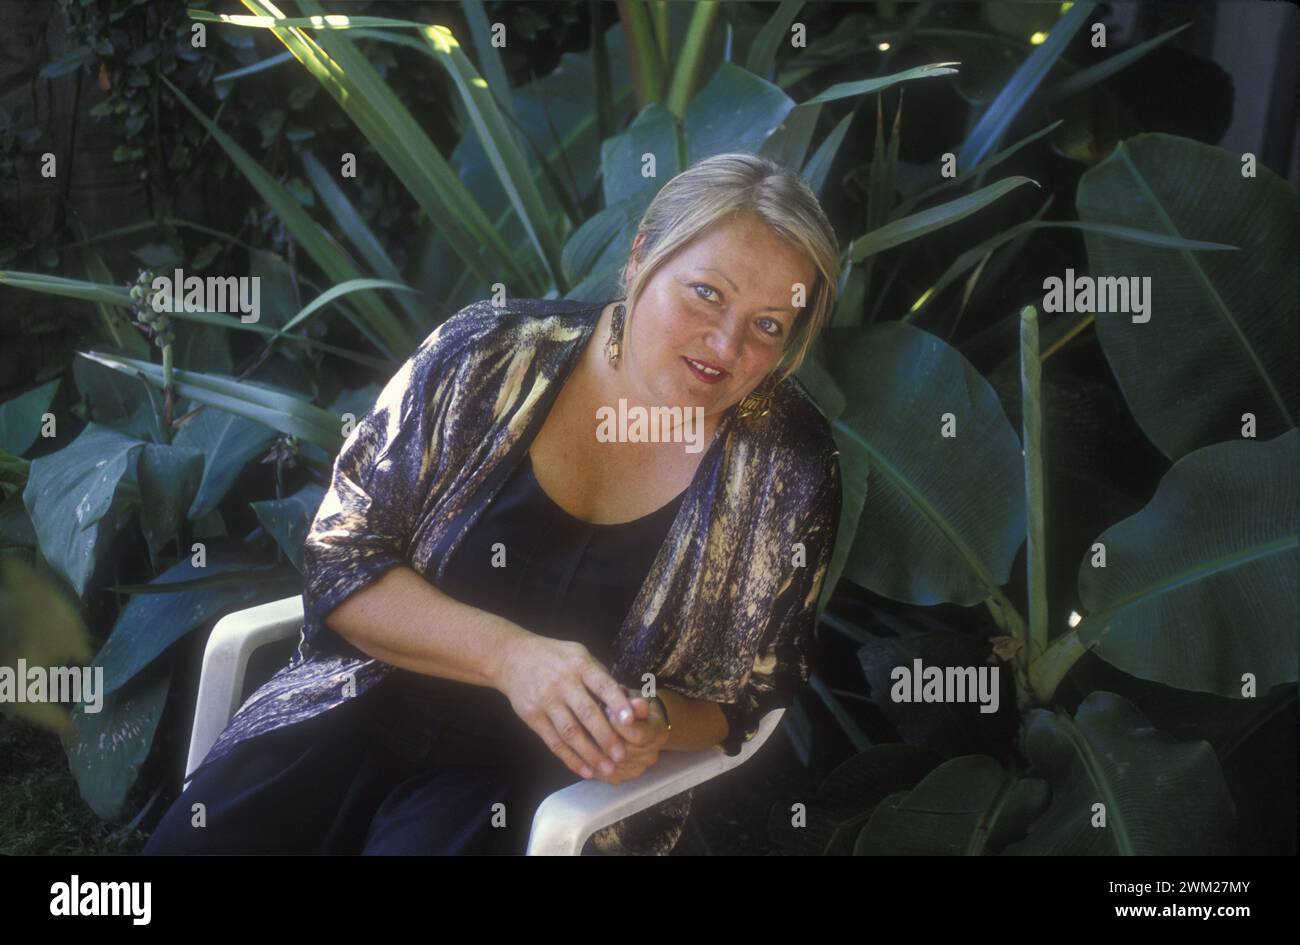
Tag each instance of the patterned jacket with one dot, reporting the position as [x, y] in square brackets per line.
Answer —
[727, 611]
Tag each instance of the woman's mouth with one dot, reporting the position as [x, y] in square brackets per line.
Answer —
[705, 373]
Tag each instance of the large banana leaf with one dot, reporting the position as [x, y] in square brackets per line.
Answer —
[287, 520]
[150, 623]
[854, 465]
[1221, 340]
[944, 516]
[600, 247]
[170, 476]
[69, 495]
[967, 806]
[1199, 587]
[227, 442]
[623, 164]
[20, 417]
[105, 749]
[1159, 796]
[846, 798]
[735, 111]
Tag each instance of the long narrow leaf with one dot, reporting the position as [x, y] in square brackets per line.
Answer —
[67, 288]
[988, 163]
[416, 161]
[762, 52]
[351, 223]
[153, 224]
[381, 325]
[278, 411]
[119, 328]
[554, 150]
[643, 53]
[686, 73]
[819, 165]
[255, 68]
[935, 218]
[229, 387]
[864, 86]
[330, 21]
[1086, 78]
[343, 288]
[973, 255]
[499, 145]
[234, 324]
[489, 56]
[1003, 110]
[353, 82]
[120, 297]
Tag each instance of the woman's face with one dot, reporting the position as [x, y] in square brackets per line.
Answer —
[726, 301]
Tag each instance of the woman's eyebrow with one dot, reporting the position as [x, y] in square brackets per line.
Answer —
[736, 288]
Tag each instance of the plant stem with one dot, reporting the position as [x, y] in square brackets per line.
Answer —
[169, 393]
[1036, 560]
[642, 52]
[691, 59]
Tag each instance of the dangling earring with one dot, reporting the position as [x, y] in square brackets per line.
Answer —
[758, 402]
[614, 342]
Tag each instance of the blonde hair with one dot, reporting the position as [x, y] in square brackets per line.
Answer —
[713, 190]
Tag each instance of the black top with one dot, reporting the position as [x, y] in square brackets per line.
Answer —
[530, 561]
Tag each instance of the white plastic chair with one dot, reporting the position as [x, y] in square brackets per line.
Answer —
[563, 821]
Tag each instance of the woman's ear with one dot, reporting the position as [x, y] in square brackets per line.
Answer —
[634, 258]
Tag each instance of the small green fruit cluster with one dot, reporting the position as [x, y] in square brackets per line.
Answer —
[159, 323]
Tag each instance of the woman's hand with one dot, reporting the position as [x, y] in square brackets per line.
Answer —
[554, 685]
[644, 737]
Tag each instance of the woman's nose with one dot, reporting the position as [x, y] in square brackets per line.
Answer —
[726, 340]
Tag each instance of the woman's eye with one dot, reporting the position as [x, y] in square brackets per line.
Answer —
[697, 286]
[775, 330]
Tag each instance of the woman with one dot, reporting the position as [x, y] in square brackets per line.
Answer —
[501, 578]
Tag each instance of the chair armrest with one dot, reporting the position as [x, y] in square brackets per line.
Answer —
[566, 819]
[225, 662]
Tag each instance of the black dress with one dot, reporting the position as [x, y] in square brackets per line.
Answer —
[417, 764]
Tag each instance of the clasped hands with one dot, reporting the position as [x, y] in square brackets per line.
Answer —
[643, 737]
[599, 728]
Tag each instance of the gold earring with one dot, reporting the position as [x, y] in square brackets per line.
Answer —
[614, 341]
[758, 402]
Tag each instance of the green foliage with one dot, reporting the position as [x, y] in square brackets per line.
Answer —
[542, 192]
